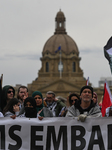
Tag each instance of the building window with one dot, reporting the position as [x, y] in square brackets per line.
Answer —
[60, 24]
[74, 67]
[47, 67]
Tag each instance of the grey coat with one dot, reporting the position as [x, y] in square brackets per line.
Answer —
[8, 114]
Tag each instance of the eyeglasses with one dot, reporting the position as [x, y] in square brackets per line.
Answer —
[74, 100]
[10, 92]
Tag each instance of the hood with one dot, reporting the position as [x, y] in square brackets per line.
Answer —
[4, 95]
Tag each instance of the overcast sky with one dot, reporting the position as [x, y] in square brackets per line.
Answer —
[25, 26]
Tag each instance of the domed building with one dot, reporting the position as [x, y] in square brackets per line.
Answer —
[60, 70]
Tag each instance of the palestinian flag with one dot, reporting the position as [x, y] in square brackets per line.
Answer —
[107, 99]
[108, 52]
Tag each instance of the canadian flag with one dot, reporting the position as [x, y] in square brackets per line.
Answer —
[107, 99]
[87, 81]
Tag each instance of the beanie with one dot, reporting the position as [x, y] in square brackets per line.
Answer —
[86, 87]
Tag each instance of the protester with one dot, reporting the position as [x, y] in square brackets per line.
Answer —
[12, 108]
[95, 98]
[85, 107]
[100, 103]
[29, 108]
[8, 93]
[53, 104]
[41, 110]
[22, 94]
[108, 111]
[73, 97]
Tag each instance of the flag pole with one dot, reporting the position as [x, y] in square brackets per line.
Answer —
[60, 65]
[87, 81]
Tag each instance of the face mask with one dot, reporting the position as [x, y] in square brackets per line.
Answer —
[30, 112]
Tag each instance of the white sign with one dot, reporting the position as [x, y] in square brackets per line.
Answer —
[57, 133]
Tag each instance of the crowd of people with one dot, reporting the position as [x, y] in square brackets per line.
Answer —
[83, 105]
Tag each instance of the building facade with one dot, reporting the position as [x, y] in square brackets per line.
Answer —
[60, 70]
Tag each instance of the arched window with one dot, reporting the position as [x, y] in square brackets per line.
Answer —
[74, 67]
[47, 67]
[60, 24]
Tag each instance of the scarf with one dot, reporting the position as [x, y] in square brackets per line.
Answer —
[52, 106]
[78, 103]
[40, 110]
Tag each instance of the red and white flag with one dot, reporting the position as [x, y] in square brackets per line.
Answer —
[87, 81]
[107, 99]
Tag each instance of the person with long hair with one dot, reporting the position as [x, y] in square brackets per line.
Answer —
[8, 92]
[95, 98]
[12, 108]
[73, 97]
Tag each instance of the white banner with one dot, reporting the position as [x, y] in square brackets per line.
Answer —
[57, 133]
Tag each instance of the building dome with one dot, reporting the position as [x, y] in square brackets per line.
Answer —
[60, 38]
[60, 14]
[67, 44]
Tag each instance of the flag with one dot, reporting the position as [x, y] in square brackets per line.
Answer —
[59, 48]
[107, 99]
[87, 81]
[108, 52]
[1, 78]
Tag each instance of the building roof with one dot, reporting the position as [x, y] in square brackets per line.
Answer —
[67, 44]
[60, 38]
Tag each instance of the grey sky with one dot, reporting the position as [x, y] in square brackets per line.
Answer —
[25, 26]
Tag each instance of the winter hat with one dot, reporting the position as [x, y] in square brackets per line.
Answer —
[86, 87]
[37, 93]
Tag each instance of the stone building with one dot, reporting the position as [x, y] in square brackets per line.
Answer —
[60, 63]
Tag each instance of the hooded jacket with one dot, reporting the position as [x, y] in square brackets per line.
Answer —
[4, 95]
